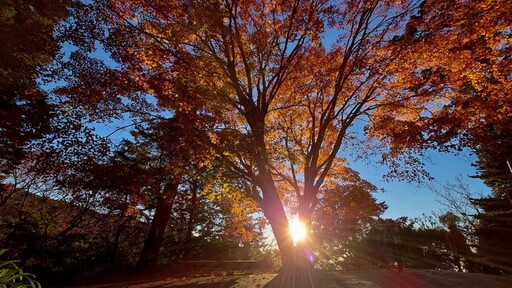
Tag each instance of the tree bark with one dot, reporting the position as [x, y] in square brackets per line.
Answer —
[276, 216]
[112, 258]
[190, 223]
[279, 224]
[151, 251]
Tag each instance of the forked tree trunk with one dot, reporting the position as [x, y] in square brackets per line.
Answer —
[151, 251]
[295, 259]
[297, 266]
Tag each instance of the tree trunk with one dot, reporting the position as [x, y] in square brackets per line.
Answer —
[304, 247]
[279, 223]
[112, 259]
[297, 268]
[270, 203]
[276, 216]
[190, 223]
[151, 251]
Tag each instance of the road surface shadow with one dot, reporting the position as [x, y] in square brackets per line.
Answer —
[221, 284]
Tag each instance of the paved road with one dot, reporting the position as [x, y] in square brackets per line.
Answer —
[409, 278]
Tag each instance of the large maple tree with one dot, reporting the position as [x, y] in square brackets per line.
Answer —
[281, 102]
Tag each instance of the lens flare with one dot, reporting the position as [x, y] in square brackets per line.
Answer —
[297, 231]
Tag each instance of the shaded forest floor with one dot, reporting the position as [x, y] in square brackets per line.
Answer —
[352, 279]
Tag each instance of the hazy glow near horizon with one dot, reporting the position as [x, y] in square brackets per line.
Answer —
[297, 231]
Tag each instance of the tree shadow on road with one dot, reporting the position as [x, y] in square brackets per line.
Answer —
[308, 278]
[220, 284]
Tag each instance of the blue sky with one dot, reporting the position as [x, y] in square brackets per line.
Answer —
[415, 199]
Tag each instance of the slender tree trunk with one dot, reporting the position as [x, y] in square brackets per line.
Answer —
[190, 223]
[115, 247]
[151, 251]
[117, 236]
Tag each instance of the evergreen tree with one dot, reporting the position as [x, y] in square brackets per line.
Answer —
[494, 232]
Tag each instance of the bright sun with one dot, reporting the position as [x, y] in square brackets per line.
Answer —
[297, 230]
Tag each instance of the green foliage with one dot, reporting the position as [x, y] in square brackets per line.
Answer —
[343, 218]
[494, 233]
[492, 160]
[402, 241]
[393, 244]
[13, 276]
[493, 228]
